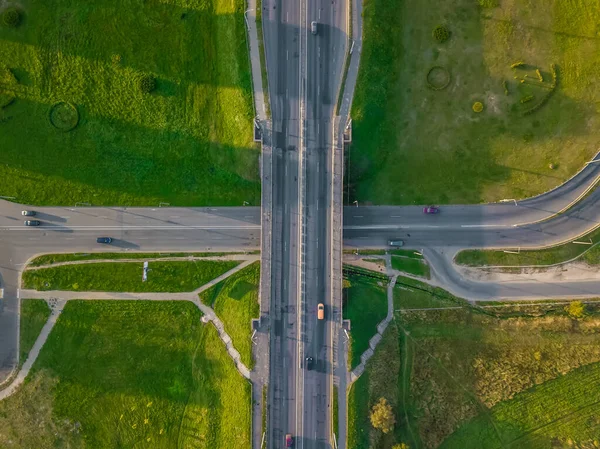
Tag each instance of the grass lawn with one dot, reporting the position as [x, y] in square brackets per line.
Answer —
[235, 301]
[49, 259]
[410, 265]
[486, 379]
[34, 314]
[130, 374]
[365, 305]
[188, 142]
[413, 144]
[184, 276]
[558, 254]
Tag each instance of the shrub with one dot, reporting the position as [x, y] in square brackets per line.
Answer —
[477, 106]
[576, 310]
[382, 417]
[488, 3]
[147, 84]
[11, 18]
[441, 33]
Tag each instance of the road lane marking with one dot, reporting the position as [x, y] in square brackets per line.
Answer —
[484, 226]
[358, 216]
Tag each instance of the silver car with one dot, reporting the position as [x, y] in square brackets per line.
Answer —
[28, 213]
[396, 243]
[313, 27]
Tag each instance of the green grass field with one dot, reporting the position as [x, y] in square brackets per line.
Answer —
[34, 314]
[130, 374]
[365, 305]
[184, 276]
[481, 378]
[412, 144]
[187, 143]
[49, 259]
[558, 254]
[235, 301]
[411, 265]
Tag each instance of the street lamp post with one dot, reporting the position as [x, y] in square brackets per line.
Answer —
[509, 200]
[355, 202]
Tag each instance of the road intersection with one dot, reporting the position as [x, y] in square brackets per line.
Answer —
[299, 182]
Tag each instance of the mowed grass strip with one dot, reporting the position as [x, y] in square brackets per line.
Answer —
[184, 276]
[33, 315]
[365, 305]
[564, 409]
[417, 267]
[49, 259]
[189, 142]
[550, 256]
[130, 374]
[235, 301]
[416, 145]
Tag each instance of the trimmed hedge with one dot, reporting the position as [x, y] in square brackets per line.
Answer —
[477, 106]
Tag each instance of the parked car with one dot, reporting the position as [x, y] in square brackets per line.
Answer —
[289, 441]
[396, 243]
[310, 363]
[431, 210]
[32, 223]
[320, 311]
[106, 240]
[28, 213]
[313, 27]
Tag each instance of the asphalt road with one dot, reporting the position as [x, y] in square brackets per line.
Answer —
[281, 24]
[132, 229]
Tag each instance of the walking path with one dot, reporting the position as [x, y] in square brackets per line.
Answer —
[57, 300]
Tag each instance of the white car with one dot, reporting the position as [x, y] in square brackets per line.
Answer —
[313, 27]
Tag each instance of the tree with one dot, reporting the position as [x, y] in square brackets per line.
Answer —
[382, 416]
[147, 84]
[400, 446]
[575, 309]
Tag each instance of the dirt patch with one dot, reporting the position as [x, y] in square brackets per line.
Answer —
[576, 271]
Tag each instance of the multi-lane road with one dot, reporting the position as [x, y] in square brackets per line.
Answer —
[304, 74]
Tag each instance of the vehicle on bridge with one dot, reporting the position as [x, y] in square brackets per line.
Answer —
[431, 210]
[396, 243]
[32, 222]
[320, 311]
[289, 441]
[310, 363]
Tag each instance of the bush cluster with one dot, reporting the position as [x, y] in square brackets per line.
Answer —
[477, 106]
[488, 3]
[516, 65]
[147, 84]
[441, 33]
[11, 17]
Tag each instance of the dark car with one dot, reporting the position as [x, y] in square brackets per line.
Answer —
[32, 222]
[310, 363]
[103, 240]
[431, 210]
[289, 441]
[28, 213]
